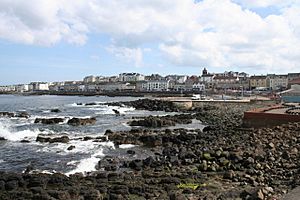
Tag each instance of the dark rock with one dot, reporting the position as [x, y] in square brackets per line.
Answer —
[108, 131]
[25, 141]
[11, 185]
[2, 139]
[7, 114]
[90, 104]
[71, 148]
[55, 110]
[116, 112]
[136, 164]
[49, 120]
[82, 121]
[22, 114]
[62, 139]
[131, 152]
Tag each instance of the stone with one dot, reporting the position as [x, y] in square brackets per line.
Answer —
[49, 120]
[55, 110]
[229, 174]
[271, 145]
[131, 152]
[82, 121]
[71, 148]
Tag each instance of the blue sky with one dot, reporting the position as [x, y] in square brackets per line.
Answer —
[57, 40]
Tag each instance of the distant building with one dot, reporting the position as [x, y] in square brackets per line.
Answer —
[39, 86]
[292, 76]
[198, 87]
[89, 79]
[226, 82]
[177, 78]
[258, 81]
[154, 77]
[278, 82]
[162, 85]
[131, 77]
[207, 78]
[22, 88]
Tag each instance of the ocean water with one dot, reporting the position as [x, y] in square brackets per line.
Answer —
[44, 157]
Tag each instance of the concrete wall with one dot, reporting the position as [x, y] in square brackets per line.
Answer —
[261, 119]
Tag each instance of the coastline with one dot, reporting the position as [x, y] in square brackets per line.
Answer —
[221, 161]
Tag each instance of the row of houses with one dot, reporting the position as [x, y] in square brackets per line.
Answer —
[155, 82]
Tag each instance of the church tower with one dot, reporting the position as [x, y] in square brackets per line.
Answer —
[204, 71]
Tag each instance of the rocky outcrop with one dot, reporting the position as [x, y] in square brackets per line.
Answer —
[148, 104]
[49, 120]
[82, 121]
[163, 121]
[55, 110]
[60, 139]
[21, 114]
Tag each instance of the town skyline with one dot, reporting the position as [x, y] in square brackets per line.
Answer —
[57, 40]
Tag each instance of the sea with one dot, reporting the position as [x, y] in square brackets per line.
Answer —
[16, 156]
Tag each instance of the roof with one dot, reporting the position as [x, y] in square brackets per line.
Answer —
[295, 81]
[258, 77]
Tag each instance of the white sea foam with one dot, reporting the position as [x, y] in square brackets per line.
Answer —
[109, 110]
[126, 146]
[7, 132]
[2, 161]
[87, 164]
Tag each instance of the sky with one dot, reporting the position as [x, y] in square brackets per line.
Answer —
[56, 40]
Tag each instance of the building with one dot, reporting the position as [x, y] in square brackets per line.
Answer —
[131, 77]
[207, 78]
[154, 77]
[278, 82]
[22, 88]
[292, 76]
[89, 79]
[38, 86]
[198, 87]
[226, 82]
[160, 85]
[177, 78]
[258, 82]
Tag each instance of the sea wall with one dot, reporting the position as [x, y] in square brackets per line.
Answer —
[259, 118]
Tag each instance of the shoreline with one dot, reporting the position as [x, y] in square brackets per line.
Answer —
[221, 161]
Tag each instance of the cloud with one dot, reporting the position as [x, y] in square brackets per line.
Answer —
[213, 33]
[265, 3]
[134, 55]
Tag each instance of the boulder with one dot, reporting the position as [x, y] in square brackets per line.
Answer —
[55, 110]
[48, 120]
[7, 114]
[82, 121]
[71, 148]
[62, 139]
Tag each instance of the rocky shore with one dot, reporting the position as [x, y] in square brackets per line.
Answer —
[222, 161]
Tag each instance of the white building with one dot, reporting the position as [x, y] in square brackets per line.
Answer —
[160, 85]
[38, 86]
[277, 82]
[89, 79]
[131, 77]
[198, 87]
[22, 88]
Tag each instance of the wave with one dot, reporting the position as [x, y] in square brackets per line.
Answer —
[8, 133]
[109, 110]
[126, 146]
[87, 164]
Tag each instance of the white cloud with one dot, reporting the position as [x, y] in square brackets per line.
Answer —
[265, 3]
[214, 33]
[134, 55]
